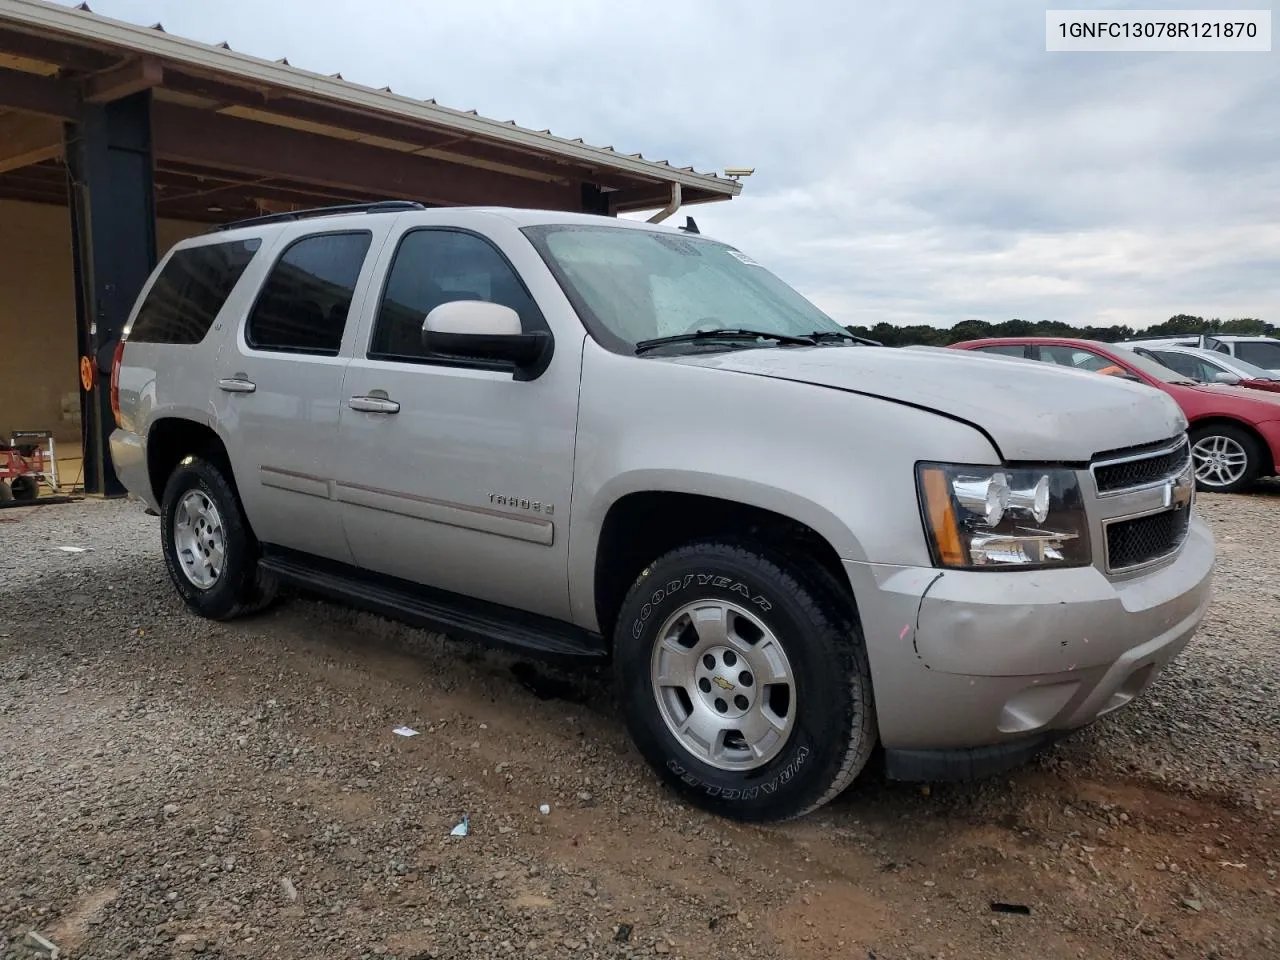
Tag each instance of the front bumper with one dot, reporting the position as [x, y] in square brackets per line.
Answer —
[1270, 431]
[129, 457]
[965, 763]
[1013, 659]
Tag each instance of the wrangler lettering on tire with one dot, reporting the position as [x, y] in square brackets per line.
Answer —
[744, 680]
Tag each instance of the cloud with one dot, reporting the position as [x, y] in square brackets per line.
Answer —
[917, 162]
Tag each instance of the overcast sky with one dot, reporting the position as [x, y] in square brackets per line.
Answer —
[917, 161]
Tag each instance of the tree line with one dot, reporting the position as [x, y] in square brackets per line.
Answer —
[1180, 325]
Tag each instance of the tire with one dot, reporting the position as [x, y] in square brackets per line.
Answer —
[6, 495]
[1233, 446]
[777, 607]
[227, 582]
[25, 488]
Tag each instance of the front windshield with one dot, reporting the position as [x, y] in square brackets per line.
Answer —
[633, 285]
[1251, 371]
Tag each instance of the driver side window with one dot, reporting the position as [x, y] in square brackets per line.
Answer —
[434, 266]
[1186, 365]
[1080, 359]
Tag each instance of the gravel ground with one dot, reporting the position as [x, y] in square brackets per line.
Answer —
[176, 787]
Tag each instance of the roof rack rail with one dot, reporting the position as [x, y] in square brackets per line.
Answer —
[1167, 337]
[377, 206]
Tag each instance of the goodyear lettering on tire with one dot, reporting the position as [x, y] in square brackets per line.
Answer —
[703, 579]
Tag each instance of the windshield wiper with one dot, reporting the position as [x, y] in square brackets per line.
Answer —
[724, 333]
[826, 336]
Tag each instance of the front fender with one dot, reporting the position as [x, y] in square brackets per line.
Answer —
[840, 463]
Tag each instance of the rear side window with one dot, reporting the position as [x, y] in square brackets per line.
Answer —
[190, 290]
[1005, 350]
[304, 303]
[435, 266]
[1260, 353]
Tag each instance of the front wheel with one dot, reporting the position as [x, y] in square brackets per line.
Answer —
[1226, 458]
[744, 681]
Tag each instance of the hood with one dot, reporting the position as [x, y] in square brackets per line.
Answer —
[1231, 390]
[1030, 410]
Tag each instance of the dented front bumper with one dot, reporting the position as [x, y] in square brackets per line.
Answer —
[987, 659]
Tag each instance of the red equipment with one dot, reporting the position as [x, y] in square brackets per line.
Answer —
[26, 460]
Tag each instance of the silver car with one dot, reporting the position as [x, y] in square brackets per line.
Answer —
[1209, 366]
[600, 440]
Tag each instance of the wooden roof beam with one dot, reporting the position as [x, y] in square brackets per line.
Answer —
[451, 146]
[69, 56]
[658, 195]
[36, 94]
[123, 81]
[26, 139]
[259, 149]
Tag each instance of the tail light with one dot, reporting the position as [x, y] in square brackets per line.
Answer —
[115, 381]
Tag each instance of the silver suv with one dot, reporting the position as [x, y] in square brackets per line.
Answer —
[600, 439]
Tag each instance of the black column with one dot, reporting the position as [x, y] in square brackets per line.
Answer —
[113, 234]
[595, 200]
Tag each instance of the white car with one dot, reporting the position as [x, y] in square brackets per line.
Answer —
[1209, 366]
[1260, 351]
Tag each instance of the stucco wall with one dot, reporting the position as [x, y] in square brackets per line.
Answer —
[38, 356]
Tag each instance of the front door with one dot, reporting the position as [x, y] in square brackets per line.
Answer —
[455, 474]
[279, 385]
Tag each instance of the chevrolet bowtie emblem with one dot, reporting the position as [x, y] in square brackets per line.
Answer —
[722, 683]
[1178, 493]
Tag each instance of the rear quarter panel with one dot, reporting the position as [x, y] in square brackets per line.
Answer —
[167, 380]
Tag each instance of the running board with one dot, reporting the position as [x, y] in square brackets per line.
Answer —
[459, 617]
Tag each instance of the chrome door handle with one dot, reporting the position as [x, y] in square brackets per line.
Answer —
[237, 385]
[373, 405]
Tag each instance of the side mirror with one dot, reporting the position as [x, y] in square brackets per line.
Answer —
[478, 330]
[1222, 376]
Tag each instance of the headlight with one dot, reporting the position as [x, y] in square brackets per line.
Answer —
[993, 517]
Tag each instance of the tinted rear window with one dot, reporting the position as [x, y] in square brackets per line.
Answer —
[304, 303]
[1260, 353]
[191, 289]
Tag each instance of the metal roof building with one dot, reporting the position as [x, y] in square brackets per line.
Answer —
[146, 136]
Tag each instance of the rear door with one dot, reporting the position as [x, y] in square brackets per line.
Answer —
[279, 381]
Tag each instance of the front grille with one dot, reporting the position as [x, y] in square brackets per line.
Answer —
[1132, 543]
[1138, 470]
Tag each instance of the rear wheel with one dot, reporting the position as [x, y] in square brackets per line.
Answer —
[744, 681]
[25, 487]
[6, 495]
[209, 550]
[1226, 458]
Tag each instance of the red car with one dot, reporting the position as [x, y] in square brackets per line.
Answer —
[1235, 432]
